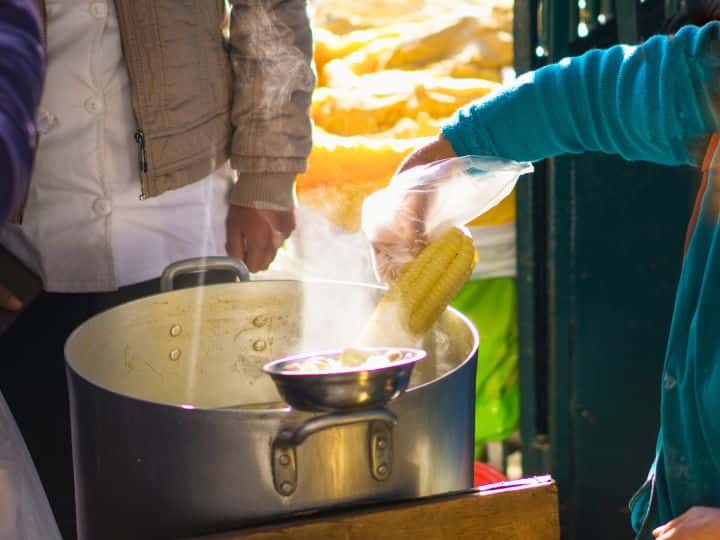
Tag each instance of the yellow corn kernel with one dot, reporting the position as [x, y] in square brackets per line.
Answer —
[426, 287]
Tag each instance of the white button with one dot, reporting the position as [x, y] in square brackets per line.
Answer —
[93, 105]
[99, 10]
[102, 207]
[45, 121]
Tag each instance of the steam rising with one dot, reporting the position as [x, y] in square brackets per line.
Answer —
[318, 250]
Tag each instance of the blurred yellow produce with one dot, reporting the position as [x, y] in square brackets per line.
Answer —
[342, 171]
[459, 46]
[378, 101]
[344, 16]
[389, 75]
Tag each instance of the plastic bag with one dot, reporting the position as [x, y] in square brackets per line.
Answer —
[24, 510]
[425, 201]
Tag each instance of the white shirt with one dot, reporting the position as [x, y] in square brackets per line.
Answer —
[85, 227]
[495, 246]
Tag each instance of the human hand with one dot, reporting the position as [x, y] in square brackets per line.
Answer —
[698, 523]
[8, 301]
[403, 237]
[254, 235]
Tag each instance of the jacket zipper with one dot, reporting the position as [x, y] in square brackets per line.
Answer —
[127, 29]
[142, 159]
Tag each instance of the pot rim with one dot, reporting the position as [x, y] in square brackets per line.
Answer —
[253, 412]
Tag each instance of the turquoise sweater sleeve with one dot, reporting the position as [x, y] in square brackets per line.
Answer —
[654, 102]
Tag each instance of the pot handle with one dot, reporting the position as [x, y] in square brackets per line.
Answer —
[202, 264]
[380, 423]
[295, 437]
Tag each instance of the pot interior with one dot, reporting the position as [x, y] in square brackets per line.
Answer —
[205, 347]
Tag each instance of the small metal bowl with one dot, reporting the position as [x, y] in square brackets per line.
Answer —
[345, 389]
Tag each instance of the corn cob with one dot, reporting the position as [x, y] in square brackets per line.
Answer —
[426, 287]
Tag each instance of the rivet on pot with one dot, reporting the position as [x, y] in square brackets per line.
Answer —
[382, 470]
[260, 345]
[175, 330]
[382, 444]
[284, 460]
[175, 354]
[260, 321]
[286, 488]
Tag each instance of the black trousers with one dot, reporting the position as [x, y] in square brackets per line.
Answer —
[33, 382]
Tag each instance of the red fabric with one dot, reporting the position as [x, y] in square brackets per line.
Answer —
[485, 474]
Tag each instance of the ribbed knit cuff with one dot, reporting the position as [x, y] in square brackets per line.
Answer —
[267, 191]
[462, 133]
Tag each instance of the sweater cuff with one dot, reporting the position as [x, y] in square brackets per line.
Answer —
[265, 191]
[462, 131]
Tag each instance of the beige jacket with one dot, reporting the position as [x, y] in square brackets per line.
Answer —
[201, 98]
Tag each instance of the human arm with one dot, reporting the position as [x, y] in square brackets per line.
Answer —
[21, 73]
[271, 54]
[654, 102]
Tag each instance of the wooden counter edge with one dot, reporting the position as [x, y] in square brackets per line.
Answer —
[524, 509]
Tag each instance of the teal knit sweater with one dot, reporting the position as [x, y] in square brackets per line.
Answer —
[652, 103]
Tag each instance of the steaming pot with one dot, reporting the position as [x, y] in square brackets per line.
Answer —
[177, 431]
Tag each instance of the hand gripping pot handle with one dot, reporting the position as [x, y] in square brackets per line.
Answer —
[380, 423]
[202, 265]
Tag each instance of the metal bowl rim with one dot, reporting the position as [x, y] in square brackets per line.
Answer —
[270, 367]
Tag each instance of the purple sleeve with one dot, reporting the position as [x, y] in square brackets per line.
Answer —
[21, 74]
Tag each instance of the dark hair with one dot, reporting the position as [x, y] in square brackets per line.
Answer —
[698, 13]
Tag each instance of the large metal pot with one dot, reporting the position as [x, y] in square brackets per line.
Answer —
[176, 430]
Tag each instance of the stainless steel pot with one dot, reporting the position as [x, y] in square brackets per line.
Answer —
[177, 431]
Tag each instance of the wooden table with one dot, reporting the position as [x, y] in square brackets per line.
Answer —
[520, 510]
